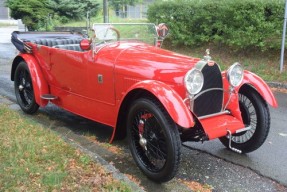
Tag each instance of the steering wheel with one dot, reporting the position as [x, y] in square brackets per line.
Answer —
[117, 32]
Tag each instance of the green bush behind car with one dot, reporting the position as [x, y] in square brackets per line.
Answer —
[234, 23]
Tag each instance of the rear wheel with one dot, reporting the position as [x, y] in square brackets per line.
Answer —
[24, 89]
[154, 140]
[255, 113]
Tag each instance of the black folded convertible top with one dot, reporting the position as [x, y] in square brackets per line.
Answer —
[19, 38]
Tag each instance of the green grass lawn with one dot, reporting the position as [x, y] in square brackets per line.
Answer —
[34, 158]
[99, 19]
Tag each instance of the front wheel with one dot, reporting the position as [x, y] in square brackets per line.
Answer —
[24, 89]
[154, 140]
[255, 113]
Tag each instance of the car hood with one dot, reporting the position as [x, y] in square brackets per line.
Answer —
[143, 61]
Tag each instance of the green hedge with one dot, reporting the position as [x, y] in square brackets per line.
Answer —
[235, 23]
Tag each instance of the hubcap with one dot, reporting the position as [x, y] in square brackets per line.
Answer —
[25, 89]
[21, 87]
[150, 141]
[143, 142]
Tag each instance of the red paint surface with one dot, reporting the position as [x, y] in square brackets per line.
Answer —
[217, 126]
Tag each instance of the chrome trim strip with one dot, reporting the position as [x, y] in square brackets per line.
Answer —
[231, 90]
[214, 115]
[191, 98]
[244, 129]
[207, 90]
[201, 64]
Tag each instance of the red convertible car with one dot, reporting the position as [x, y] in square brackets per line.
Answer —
[121, 77]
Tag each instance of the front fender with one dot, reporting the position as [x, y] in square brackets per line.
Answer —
[260, 85]
[40, 85]
[171, 101]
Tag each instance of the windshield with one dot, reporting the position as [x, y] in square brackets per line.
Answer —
[144, 32]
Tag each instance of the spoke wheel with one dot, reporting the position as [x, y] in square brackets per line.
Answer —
[249, 118]
[255, 113]
[24, 89]
[154, 140]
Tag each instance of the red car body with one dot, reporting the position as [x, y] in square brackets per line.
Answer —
[101, 84]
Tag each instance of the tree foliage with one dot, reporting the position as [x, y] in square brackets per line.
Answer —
[35, 12]
[74, 9]
[30, 11]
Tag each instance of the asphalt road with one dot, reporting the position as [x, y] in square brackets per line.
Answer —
[209, 163]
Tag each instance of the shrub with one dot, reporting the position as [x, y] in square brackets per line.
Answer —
[235, 23]
[30, 11]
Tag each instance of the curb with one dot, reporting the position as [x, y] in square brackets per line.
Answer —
[277, 85]
[96, 157]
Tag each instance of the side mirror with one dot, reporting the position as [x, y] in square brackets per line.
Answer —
[85, 44]
[162, 30]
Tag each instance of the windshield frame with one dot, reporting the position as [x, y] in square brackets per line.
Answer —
[139, 32]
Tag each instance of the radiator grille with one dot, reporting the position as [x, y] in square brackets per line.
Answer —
[211, 101]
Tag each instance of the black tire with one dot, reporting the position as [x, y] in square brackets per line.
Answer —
[159, 159]
[254, 112]
[24, 89]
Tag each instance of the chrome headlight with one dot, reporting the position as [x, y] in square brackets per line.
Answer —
[193, 81]
[235, 74]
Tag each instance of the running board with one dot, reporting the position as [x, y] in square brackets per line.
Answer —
[48, 97]
[229, 134]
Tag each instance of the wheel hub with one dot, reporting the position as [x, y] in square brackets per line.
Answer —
[21, 87]
[143, 142]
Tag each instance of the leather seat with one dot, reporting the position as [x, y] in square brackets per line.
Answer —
[54, 42]
[74, 47]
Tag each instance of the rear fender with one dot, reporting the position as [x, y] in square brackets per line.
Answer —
[171, 101]
[40, 85]
[260, 86]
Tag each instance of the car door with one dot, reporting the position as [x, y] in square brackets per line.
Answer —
[101, 85]
[101, 77]
[68, 70]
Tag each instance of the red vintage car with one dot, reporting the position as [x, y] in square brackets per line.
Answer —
[157, 98]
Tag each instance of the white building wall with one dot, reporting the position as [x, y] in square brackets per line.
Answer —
[138, 11]
[4, 13]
